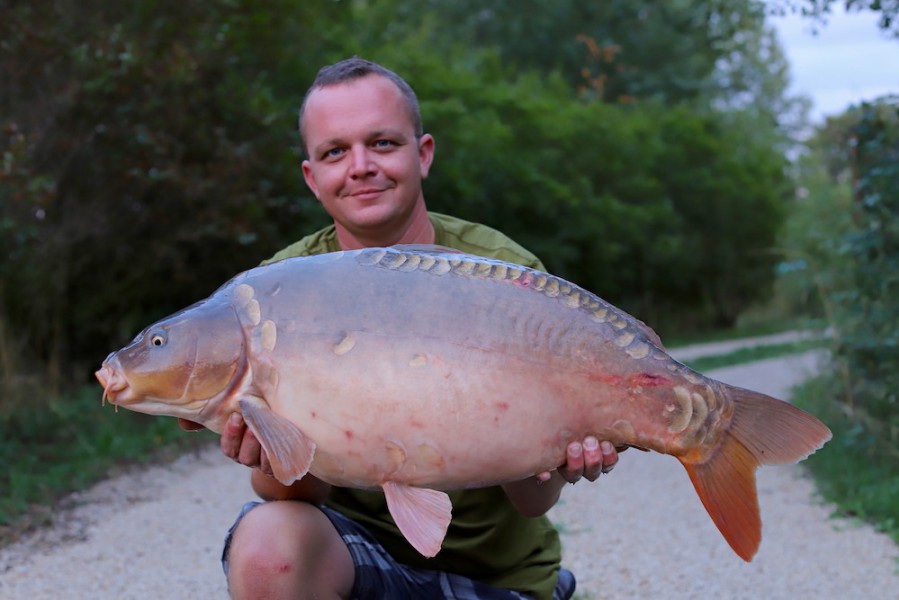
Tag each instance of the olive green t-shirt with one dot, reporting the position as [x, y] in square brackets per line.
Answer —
[487, 540]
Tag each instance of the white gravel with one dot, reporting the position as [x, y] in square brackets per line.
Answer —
[152, 534]
[644, 534]
[638, 533]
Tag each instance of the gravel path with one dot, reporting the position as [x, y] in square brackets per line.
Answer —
[646, 535]
[640, 533]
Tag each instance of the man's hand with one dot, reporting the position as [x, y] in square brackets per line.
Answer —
[533, 496]
[588, 459]
[240, 445]
[237, 443]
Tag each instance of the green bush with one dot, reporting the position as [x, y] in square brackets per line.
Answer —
[846, 235]
[868, 311]
[66, 444]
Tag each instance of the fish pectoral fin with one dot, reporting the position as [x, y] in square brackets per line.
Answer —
[421, 514]
[289, 451]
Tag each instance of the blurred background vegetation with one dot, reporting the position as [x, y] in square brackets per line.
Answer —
[648, 151]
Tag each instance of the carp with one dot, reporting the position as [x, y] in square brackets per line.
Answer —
[418, 370]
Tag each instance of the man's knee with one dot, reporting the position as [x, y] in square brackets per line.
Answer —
[286, 547]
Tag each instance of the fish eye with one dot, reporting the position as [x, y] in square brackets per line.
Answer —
[158, 340]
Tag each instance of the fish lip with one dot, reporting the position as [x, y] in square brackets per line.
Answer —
[114, 384]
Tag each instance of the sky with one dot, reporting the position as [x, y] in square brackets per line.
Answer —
[848, 61]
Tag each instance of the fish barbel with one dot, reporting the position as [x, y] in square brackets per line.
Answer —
[418, 369]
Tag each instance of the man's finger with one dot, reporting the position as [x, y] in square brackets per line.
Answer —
[250, 450]
[593, 458]
[573, 469]
[232, 436]
[609, 456]
[264, 465]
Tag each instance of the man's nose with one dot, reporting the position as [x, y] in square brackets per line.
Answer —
[361, 162]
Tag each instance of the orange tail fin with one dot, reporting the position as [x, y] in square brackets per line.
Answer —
[764, 431]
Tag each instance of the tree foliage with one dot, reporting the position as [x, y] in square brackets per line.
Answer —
[148, 165]
[149, 150]
[820, 10]
[847, 239]
[869, 312]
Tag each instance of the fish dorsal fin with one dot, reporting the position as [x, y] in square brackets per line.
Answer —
[649, 333]
[289, 451]
[421, 514]
[426, 249]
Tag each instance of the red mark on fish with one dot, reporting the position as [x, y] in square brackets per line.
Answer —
[649, 380]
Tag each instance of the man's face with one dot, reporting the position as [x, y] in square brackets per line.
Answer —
[365, 164]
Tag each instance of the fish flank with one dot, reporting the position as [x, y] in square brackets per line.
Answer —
[568, 294]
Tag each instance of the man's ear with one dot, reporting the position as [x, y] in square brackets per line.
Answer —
[425, 153]
[309, 177]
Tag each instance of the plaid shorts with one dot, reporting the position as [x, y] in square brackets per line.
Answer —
[379, 576]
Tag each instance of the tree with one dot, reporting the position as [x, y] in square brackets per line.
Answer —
[150, 151]
[147, 147]
[617, 51]
[820, 10]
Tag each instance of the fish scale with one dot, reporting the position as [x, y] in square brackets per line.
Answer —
[418, 370]
[569, 294]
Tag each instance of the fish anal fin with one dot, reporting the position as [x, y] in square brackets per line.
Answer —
[726, 486]
[421, 514]
[289, 451]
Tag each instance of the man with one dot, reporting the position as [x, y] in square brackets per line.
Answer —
[367, 157]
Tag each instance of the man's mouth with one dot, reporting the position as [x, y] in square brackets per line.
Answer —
[367, 193]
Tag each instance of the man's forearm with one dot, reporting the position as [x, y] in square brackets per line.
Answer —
[532, 497]
[308, 489]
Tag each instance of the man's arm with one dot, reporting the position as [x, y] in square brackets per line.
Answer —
[534, 496]
[238, 443]
[308, 489]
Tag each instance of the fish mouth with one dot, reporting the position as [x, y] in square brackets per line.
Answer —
[113, 382]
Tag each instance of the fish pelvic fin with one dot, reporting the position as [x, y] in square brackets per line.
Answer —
[289, 451]
[421, 514]
[763, 431]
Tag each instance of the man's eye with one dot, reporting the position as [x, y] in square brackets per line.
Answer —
[384, 144]
[333, 153]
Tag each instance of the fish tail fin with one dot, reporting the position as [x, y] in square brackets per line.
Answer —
[763, 431]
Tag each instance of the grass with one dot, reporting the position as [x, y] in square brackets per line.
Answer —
[741, 330]
[62, 446]
[855, 470]
[754, 353]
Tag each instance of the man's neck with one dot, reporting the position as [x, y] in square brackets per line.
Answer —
[420, 230]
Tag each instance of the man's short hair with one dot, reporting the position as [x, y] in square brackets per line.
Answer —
[354, 68]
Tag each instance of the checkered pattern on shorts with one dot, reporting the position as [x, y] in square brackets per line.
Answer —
[379, 576]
